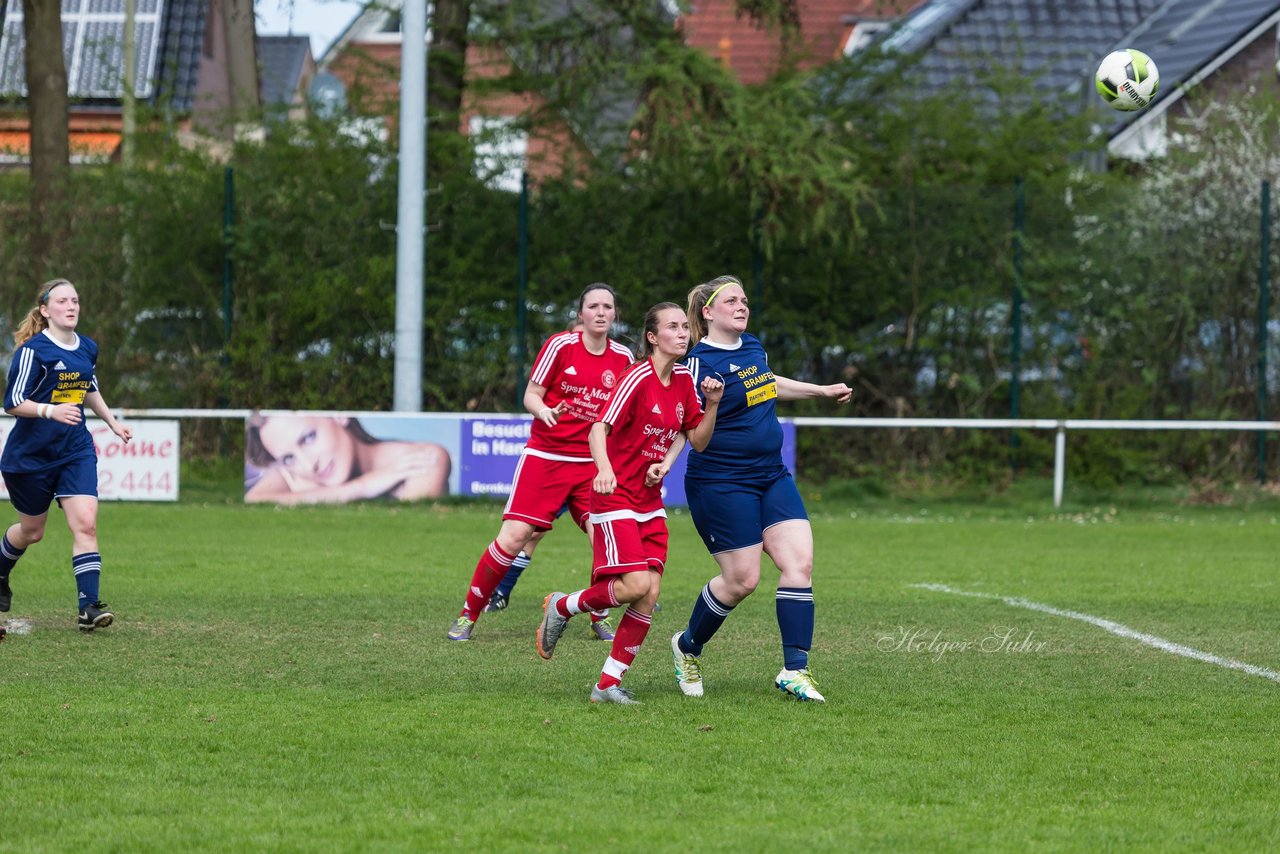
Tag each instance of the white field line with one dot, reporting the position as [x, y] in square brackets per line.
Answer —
[1115, 629]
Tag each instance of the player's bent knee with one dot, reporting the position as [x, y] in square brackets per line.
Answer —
[741, 588]
[514, 536]
[632, 587]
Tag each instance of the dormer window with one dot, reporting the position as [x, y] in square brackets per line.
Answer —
[863, 33]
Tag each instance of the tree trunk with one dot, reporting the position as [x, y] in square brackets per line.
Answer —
[446, 64]
[50, 152]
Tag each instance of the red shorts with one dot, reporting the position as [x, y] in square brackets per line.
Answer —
[542, 488]
[625, 545]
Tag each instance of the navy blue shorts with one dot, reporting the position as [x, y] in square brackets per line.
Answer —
[31, 493]
[732, 515]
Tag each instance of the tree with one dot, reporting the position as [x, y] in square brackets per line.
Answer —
[446, 63]
[50, 152]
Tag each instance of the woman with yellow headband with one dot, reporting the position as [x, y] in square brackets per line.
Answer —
[742, 498]
[49, 454]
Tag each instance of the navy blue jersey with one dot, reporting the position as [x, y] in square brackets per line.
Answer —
[747, 441]
[48, 372]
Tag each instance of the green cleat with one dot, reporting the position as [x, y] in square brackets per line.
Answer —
[799, 684]
[602, 629]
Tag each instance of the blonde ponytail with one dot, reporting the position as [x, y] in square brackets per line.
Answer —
[35, 322]
[698, 299]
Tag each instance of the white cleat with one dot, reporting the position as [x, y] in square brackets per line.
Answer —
[613, 694]
[799, 684]
[688, 669]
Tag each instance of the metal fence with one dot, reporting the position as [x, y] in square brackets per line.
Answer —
[1060, 427]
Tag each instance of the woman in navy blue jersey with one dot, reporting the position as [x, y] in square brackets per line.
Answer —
[743, 500]
[49, 454]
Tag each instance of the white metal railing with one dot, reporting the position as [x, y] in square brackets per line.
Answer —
[1061, 426]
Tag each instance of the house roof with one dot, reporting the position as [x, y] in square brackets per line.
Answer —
[181, 44]
[1061, 41]
[168, 36]
[281, 60]
[754, 52]
[600, 125]
[377, 21]
[1193, 38]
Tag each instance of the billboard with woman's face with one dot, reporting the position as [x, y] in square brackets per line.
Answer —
[327, 457]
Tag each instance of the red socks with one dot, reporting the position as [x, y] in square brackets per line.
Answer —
[597, 597]
[626, 644]
[489, 573]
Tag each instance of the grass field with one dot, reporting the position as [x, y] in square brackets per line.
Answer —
[279, 680]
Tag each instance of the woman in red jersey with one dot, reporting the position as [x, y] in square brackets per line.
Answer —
[569, 387]
[652, 412]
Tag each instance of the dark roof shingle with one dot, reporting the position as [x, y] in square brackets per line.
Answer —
[281, 60]
[169, 40]
[1060, 42]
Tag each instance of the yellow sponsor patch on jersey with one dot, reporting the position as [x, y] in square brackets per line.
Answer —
[69, 395]
[761, 394]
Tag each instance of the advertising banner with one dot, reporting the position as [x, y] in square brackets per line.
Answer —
[146, 469]
[311, 457]
[334, 458]
[491, 448]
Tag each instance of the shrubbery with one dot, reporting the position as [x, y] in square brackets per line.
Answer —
[896, 277]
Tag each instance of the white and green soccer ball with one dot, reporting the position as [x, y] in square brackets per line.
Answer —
[1127, 80]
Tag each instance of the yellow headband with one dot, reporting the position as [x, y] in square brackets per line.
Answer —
[717, 291]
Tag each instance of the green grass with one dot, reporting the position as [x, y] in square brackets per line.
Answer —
[279, 679]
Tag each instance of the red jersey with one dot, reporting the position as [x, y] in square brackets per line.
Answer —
[570, 372]
[644, 417]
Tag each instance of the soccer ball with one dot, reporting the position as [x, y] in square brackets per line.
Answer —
[1127, 80]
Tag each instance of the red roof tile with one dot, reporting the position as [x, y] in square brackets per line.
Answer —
[755, 53]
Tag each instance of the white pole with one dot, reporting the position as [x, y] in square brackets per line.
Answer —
[1059, 464]
[129, 103]
[412, 207]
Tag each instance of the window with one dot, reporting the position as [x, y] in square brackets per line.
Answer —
[862, 35]
[501, 150]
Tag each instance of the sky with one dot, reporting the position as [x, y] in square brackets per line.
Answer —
[322, 20]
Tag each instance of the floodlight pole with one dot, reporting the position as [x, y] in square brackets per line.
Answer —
[1264, 287]
[128, 101]
[1015, 335]
[522, 287]
[411, 215]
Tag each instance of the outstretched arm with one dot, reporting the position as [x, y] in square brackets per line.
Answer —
[789, 389]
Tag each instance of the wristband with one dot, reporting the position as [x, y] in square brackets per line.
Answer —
[44, 410]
